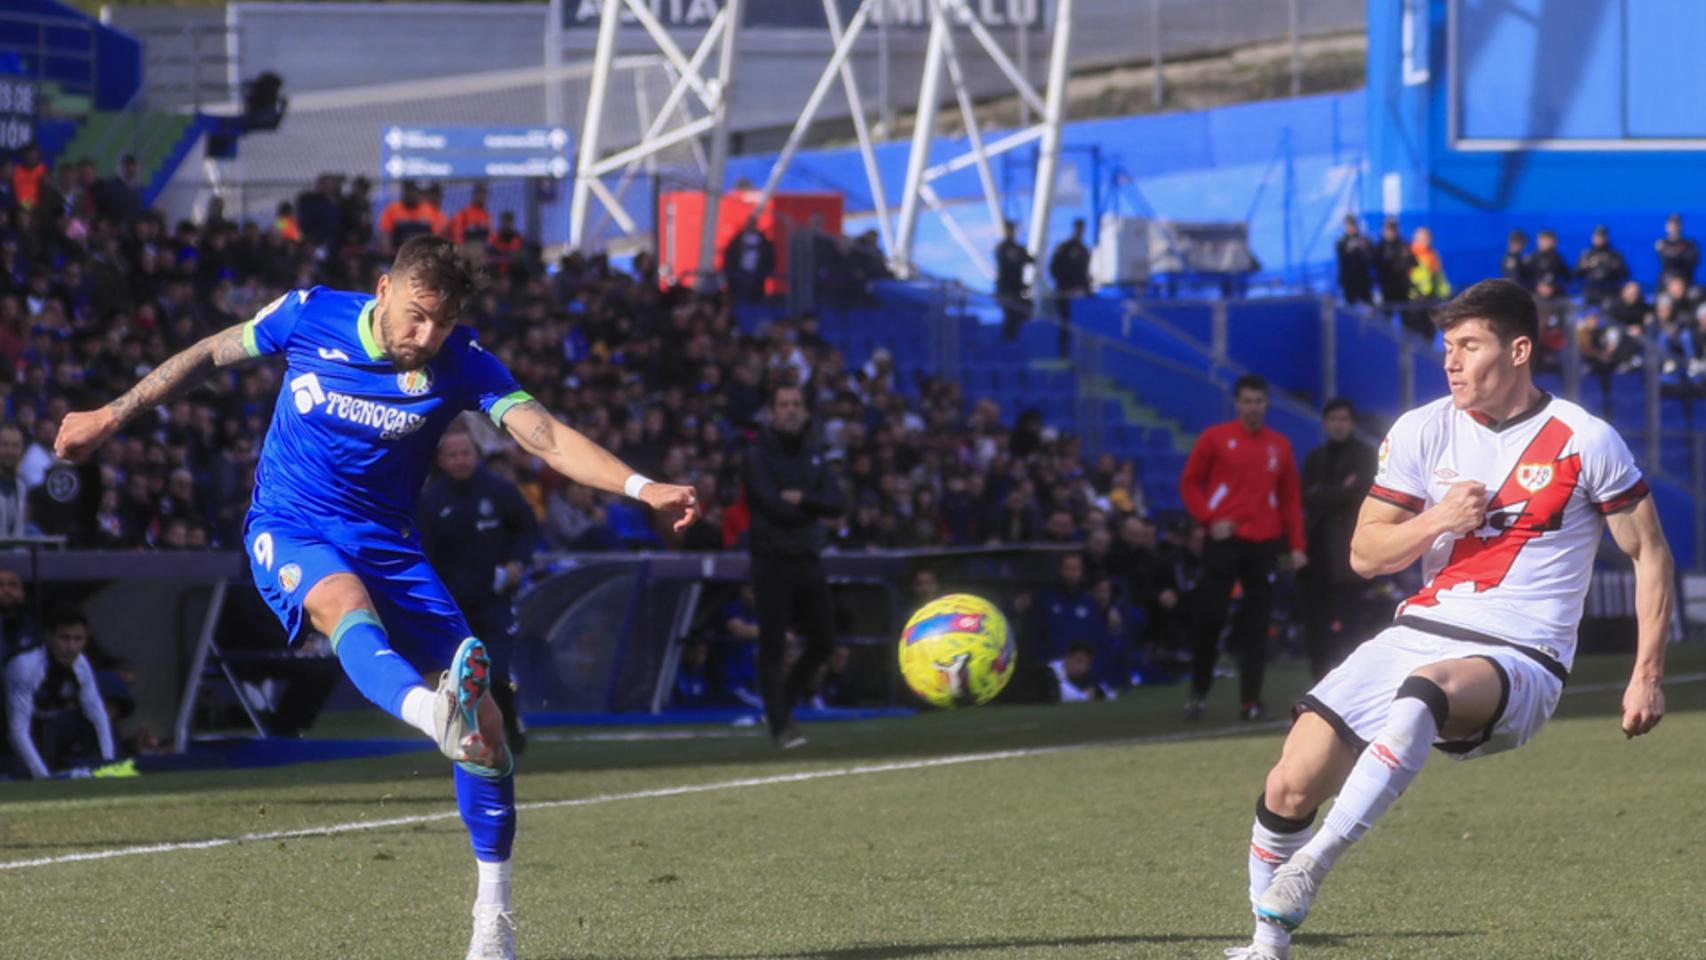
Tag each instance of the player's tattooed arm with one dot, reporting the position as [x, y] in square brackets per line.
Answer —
[533, 427]
[83, 432]
[182, 373]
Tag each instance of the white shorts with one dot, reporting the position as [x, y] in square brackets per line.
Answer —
[1356, 697]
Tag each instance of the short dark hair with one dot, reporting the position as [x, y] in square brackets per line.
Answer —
[66, 617]
[1250, 381]
[776, 391]
[1506, 307]
[1336, 404]
[436, 264]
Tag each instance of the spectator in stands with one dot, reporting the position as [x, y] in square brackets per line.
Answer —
[480, 534]
[14, 501]
[55, 716]
[1679, 256]
[791, 489]
[1630, 308]
[1608, 347]
[1240, 481]
[1069, 270]
[407, 217]
[1064, 611]
[356, 213]
[1554, 312]
[1547, 262]
[1514, 267]
[29, 175]
[1336, 477]
[1679, 295]
[1601, 269]
[1011, 259]
[1393, 262]
[749, 261]
[284, 222]
[318, 216]
[505, 249]
[119, 198]
[1075, 672]
[1677, 351]
[18, 629]
[433, 196]
[1355, 253]
[1428, 282]
[472, 225]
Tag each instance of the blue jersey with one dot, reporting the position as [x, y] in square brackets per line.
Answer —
[353, 438]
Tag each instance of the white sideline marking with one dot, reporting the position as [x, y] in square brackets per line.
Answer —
[687, 789]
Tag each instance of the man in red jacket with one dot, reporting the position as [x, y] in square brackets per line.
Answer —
[1241, 483]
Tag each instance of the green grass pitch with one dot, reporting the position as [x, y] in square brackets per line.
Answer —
[1128, 845]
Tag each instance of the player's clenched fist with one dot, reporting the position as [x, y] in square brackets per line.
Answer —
[672, 500]
[1464, 507]
[80, 434]
[1643, 706]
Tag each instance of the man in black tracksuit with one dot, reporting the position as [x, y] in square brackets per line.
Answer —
[480, 533]
[1335, 480]
[790, 488]
[1069, 268]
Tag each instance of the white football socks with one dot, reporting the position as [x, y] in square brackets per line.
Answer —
[1269, 850]
[1380, 776]
[494, 885]
[417, 710]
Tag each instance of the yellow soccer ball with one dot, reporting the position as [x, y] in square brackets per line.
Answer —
[957, 651]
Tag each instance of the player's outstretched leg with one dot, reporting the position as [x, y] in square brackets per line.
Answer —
[485, 796]
[385, 678]
[1381, 774]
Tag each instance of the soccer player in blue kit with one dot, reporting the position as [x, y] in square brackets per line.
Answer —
[370, 384]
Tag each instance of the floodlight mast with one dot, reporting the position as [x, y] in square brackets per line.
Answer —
[713, 95]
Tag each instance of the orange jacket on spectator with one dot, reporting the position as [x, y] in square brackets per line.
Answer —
[1247, 478]
[287, 228]
[26, 183]
[401, 222]
[504, 248]
[471, 225]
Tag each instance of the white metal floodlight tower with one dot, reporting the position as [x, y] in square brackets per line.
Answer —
[950, 22]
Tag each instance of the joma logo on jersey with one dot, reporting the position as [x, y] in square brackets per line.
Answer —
[391, 422]
[1533, 477]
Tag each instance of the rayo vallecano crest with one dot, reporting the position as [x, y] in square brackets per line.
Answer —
[1533, 477]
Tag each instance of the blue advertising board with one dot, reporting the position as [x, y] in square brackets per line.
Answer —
[18, 103]
[440, 153]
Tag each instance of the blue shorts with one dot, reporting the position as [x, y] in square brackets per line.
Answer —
[288, 557]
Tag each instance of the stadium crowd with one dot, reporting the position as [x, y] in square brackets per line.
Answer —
[1596, 302]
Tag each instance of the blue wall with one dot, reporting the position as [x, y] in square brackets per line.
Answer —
[1473, 197]
[1288, 167]
[117, 71]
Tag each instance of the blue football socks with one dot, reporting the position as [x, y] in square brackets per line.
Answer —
[376, 670]
[486, 799]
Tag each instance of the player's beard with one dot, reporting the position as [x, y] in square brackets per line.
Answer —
[404, 359]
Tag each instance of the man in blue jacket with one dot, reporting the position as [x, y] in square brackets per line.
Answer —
[480, 533]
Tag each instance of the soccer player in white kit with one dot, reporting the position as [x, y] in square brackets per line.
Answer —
[1499, 489]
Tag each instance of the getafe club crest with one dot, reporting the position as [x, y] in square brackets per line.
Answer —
[415, 382]
[289, 577]
[1533, 477]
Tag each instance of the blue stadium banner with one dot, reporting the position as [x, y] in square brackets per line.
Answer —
[808, 14]
[440, 153]
[18, 103]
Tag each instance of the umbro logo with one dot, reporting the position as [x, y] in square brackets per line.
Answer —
[1446, 473]
[333, 354]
